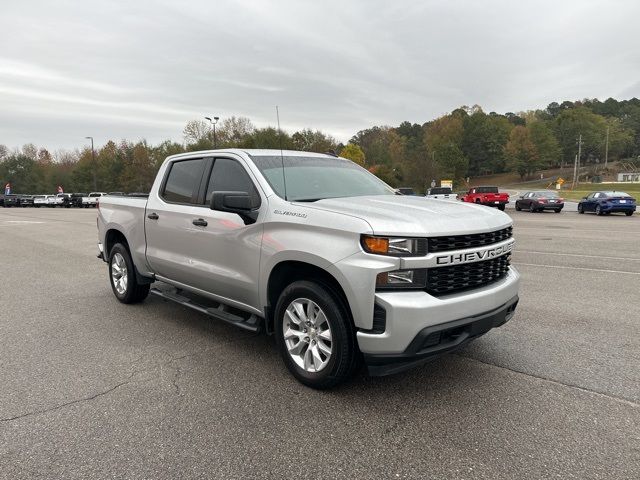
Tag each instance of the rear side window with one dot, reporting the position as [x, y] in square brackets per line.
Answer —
[229, 176]
[183, 178]
[487, 190]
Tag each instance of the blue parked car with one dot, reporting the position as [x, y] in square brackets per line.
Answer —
[608, 202]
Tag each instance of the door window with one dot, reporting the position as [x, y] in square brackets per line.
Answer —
[229, 176]
[182, 180]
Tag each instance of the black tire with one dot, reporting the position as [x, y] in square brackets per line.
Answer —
[628, 214]
[532, 209]
[518, 207]
[134, 292]
[557, 210]
[501, 208]
[344, 357]
[580, 208]
[599, 210]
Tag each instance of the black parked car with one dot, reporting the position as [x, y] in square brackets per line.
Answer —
[539, 201]
[76, 199]
[11, 201]
[26, 200]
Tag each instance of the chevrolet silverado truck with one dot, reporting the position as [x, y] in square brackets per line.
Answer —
[489, 196]
[316, 251]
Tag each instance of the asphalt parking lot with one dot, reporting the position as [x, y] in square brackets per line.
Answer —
[91, 388]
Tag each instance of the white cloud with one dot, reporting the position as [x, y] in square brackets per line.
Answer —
[143, 69]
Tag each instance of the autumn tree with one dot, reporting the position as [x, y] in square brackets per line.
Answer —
[313, 141]
[354, 153]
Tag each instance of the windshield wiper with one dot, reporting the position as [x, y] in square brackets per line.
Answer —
[307, 199]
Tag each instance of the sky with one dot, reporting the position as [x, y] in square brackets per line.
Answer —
[142, 69]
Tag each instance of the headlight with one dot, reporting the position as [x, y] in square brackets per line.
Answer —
[402, 279]
[392, 246]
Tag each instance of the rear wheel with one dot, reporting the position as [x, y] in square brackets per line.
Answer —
[501, 207]
[557, 210]
[532, 209]
[122, 275]
[599, 210]
[315, 335]
[628, 214]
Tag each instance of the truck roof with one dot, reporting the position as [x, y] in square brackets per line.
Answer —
[265, 152]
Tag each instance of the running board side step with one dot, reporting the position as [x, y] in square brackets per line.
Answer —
[251, 322]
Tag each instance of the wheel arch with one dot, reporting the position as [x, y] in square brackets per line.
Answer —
[288, 271]
[113, 236]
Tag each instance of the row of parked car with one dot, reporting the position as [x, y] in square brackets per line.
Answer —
[66, 200]
[601, 203]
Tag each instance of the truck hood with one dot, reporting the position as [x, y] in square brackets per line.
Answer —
[400, 215]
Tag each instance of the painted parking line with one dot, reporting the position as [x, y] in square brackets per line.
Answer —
[518, 264]
[8, 223]
[578, 255]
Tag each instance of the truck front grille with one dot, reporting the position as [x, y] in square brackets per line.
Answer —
[459, 242]
[456, 278]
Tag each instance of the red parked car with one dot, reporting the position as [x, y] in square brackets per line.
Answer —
[489, 196]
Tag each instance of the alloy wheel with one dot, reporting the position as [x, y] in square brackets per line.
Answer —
[119, 275]
[307, 335]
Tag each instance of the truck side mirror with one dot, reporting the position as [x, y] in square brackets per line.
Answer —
[234, 202]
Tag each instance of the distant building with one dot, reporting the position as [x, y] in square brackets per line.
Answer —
[629, 177]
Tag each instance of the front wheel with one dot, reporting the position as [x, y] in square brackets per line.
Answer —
[532, 209]
[518, 207]
[315, 335]
[501, 208]
[599, 210]
[580, 208]
[558, 210]
[122, 275]
[628, 214]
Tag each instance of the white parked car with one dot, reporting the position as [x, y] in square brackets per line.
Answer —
[44, 201]
[441, 193]
[92, 199]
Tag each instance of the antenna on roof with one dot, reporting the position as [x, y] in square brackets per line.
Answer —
[284, 178]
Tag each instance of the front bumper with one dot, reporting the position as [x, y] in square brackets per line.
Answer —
[408, 313]
[439, 339]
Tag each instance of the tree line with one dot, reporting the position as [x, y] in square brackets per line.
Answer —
[464, 143]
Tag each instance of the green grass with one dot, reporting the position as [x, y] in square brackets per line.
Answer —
[583, 189]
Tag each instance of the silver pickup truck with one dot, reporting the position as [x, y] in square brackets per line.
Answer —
[317, 251]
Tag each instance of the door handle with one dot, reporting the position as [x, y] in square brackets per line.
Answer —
[153, 216]
[200, 222]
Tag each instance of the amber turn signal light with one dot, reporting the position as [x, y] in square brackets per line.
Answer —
[376, 244]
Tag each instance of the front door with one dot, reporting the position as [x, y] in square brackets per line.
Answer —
[226, 251]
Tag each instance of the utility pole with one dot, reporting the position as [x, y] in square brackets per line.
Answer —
[575, 171]
[606, 149]
[579, 154]
[93, 159]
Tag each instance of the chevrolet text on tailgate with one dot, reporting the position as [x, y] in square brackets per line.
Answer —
[318, 252]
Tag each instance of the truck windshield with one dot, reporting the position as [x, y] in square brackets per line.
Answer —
[315, 178]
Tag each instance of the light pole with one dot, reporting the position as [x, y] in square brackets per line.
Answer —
[213, 123]
[93, 159]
